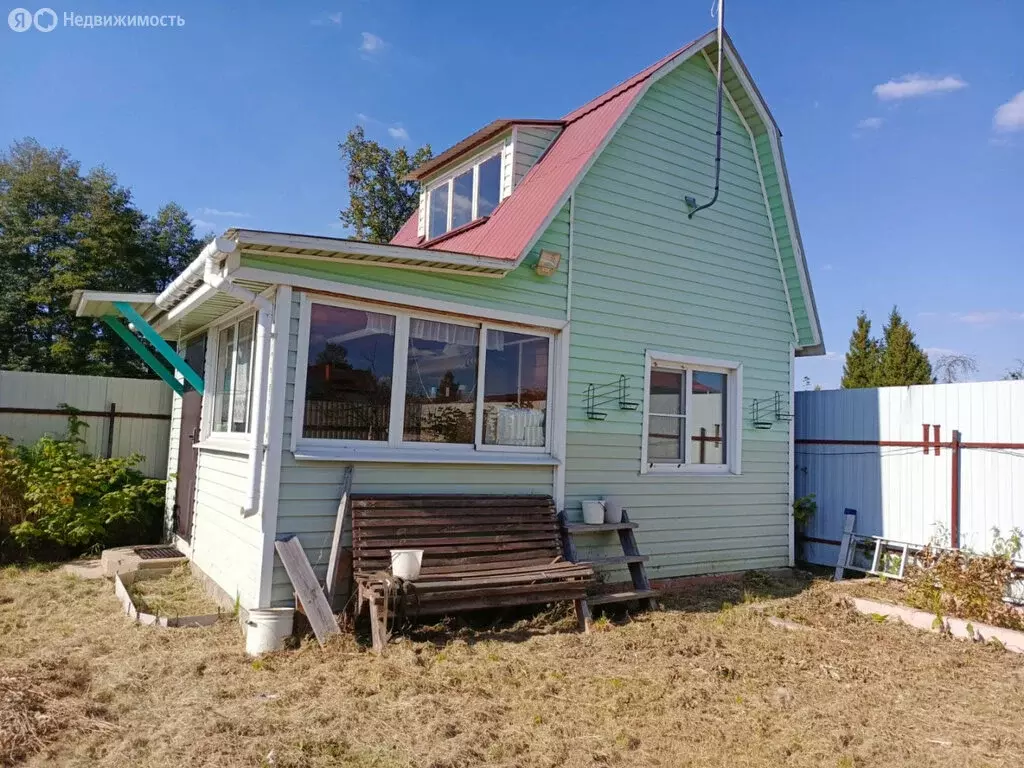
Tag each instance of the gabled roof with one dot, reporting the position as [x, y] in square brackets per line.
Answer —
[521, 219]
[516, 223]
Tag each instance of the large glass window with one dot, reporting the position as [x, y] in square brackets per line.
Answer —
[464, 198]
[232, 399]
[348, 375]
[515, 389]
[689, 411]
[401, 380]
[440, 382]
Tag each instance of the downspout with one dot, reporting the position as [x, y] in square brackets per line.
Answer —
[691, 202]
[264, 320]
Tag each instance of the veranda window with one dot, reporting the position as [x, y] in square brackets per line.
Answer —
[232, 400]
[403, 380]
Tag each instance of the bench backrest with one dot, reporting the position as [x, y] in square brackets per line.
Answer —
[457, 533]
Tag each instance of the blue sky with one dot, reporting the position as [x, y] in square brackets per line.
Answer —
[911, 193]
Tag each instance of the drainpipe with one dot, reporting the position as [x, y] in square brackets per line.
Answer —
[264, 319]
[210, 256]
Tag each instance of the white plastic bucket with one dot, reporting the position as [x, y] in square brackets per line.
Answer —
[593, 512]
[267, 628]
[405, 563]
[612, 510]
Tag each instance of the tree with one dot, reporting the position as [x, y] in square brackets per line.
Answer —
[903, 363]
[863, 357]
[380, 197]
[954, 367]
[1016, 373]
[61, 231]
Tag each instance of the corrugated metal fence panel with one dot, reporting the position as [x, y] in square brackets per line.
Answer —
[149, 437]
[901, 492]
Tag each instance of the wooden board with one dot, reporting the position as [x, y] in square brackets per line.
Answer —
[334, 564]
[307, 589]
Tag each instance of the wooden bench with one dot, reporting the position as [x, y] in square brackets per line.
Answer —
[478, 552]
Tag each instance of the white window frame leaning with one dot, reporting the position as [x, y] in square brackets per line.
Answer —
[210, 436]
[734, 413]
[395, 448]
[449, 181]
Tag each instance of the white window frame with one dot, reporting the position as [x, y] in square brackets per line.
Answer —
[687, 364]
[395, 448]
[209, 407]
[449, 181]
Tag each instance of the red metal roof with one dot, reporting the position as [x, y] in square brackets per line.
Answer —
[515, 222]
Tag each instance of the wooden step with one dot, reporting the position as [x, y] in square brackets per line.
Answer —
[587, 528]
[616, 560]
[622, 597]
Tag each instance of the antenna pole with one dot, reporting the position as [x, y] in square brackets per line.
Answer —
[718, 127]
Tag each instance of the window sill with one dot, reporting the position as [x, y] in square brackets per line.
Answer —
[690, 470]
[238, 444]
[377, 454]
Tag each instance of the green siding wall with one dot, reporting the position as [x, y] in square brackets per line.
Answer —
[520, 291]
[646, 277]
[530, 145]
[310, 490]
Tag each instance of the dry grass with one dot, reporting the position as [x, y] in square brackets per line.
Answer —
[177, 593]
[696, 684]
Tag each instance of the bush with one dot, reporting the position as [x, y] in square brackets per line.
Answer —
[967, 585]
[56, 499]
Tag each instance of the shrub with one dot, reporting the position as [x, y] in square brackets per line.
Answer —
[966, 584]
[54, 496]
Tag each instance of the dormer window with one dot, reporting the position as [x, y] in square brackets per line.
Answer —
[472, 193]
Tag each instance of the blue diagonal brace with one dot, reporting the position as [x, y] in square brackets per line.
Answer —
[161, 346]
[147, 357]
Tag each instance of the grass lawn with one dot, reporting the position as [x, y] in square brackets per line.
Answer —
[694, 684]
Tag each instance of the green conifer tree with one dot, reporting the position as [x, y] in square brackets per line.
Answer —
[903, 362]
[862, 358]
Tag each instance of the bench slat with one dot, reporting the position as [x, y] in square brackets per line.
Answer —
[496, 591]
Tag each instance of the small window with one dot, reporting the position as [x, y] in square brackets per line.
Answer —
[515, 389]
[438, 211]
[691, 407]
[232, 400]
[440, 382]
[457, 201]
[349, 371]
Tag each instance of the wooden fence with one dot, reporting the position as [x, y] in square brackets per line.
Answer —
[123, 416]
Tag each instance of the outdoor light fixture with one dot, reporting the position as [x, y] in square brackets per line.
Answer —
[548, 263]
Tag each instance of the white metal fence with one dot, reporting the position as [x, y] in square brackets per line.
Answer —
[124, 416]
[890, 454]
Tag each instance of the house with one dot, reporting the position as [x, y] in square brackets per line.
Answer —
[550, 321]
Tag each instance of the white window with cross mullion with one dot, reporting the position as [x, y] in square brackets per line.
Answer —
[692, 410]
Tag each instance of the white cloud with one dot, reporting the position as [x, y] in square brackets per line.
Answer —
[217, 213]
[938, 351]
[989, 317]
[398, 132]
[202, 227]
[912, 86]
[328, 19]
[372, 43]
[1010, 116]
[870, 123]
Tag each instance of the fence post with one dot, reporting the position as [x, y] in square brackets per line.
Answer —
[112, 416]
[954, 516]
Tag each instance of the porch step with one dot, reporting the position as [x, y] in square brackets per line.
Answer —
[623, 597]
[618, 559]
[587, 528]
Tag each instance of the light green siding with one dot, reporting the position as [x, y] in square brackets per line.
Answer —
[647, 278]
[530, 144]
[520, 291]
[309, 491]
